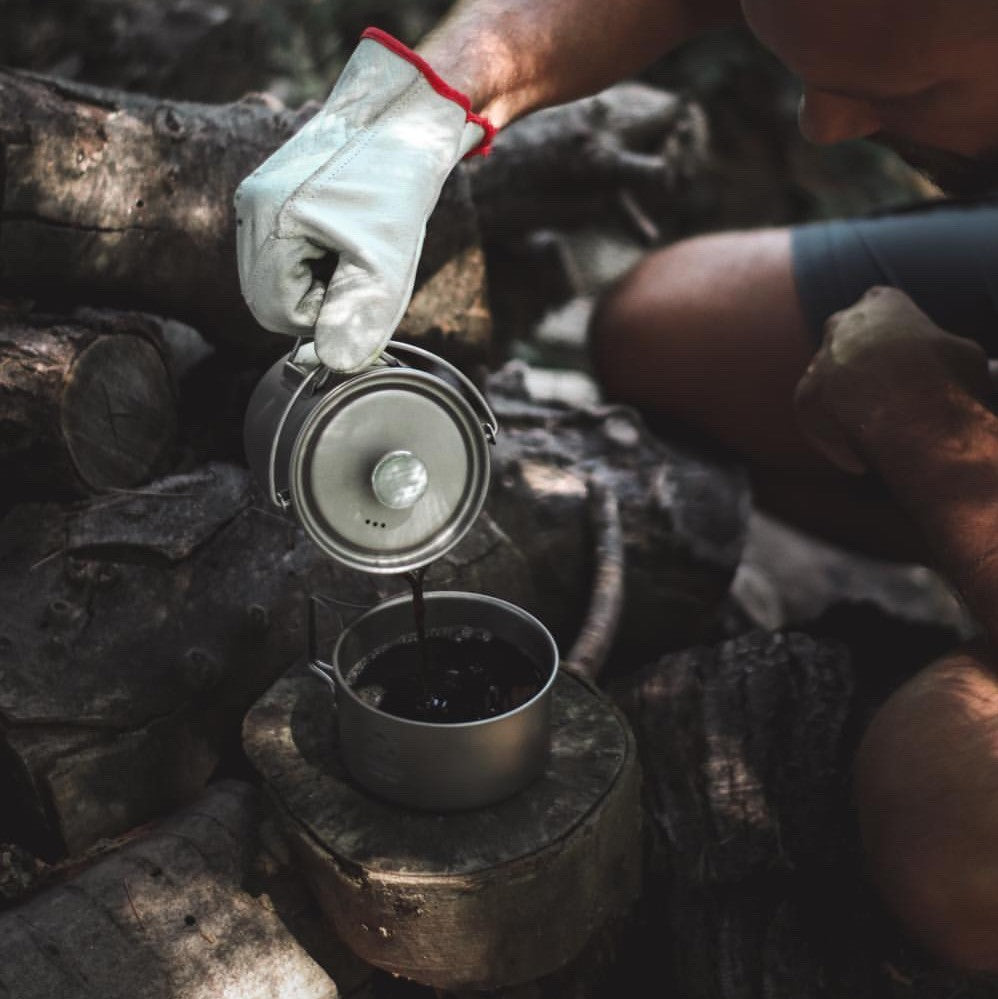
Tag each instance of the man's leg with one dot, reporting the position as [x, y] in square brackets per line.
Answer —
[713, 333]
[927, 796]
[708, 334]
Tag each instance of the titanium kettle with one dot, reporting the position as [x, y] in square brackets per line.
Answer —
[387, 468]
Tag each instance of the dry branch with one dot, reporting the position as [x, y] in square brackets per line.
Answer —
[599, 630]
[569, 163]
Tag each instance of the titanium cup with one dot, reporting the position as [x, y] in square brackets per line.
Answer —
[436, 766]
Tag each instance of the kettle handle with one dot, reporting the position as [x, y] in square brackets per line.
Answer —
[489, 424]
[309, 378]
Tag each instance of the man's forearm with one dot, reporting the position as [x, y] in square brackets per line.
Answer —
[942, 465]
[515, 56]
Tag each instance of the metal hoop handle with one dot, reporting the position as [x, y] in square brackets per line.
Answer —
[283, 500]
[490, 424]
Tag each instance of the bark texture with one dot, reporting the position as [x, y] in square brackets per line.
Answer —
[138, 628]
[756, 882]
[629, 151]
[164, 916]
[683, 518]
[191, 51]
[117, 198]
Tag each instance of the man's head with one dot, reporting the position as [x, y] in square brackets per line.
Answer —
[919, 76]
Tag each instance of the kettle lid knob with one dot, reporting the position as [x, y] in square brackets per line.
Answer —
[399, 480]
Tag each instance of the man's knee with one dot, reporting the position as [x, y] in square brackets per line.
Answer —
[648, 310]
[695, 311]
[927, 796]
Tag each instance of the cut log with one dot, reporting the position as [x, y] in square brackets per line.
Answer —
[136, 629]
[164, 917]
[122, 199]
[85, 404]
[483, 899]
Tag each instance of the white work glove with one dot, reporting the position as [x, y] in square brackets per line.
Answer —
[360, 180]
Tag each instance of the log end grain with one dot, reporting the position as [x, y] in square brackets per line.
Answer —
[118, 412]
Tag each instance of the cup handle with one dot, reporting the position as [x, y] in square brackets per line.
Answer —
[318, 666]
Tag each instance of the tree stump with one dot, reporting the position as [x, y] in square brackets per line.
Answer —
[484, 899]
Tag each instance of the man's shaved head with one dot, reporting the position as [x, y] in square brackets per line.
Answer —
[920, 76]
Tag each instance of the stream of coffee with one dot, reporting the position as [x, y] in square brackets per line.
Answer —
[454, 674]
[416, 578]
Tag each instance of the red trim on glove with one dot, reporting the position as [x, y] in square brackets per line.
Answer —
[439, 85]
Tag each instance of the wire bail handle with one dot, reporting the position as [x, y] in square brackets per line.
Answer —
[489, 422]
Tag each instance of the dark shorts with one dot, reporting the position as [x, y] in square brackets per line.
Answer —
[943, 255]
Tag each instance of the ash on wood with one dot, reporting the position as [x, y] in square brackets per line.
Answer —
[163, 917]
[86, 403]
[482, 899]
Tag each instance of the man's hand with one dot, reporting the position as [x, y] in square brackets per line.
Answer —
[879, 360]
[358, 182]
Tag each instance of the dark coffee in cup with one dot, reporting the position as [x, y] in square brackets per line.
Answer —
[449, 675]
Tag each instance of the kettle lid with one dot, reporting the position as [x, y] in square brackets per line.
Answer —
[390, 469]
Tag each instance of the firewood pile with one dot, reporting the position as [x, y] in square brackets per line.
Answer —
[150, 595]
